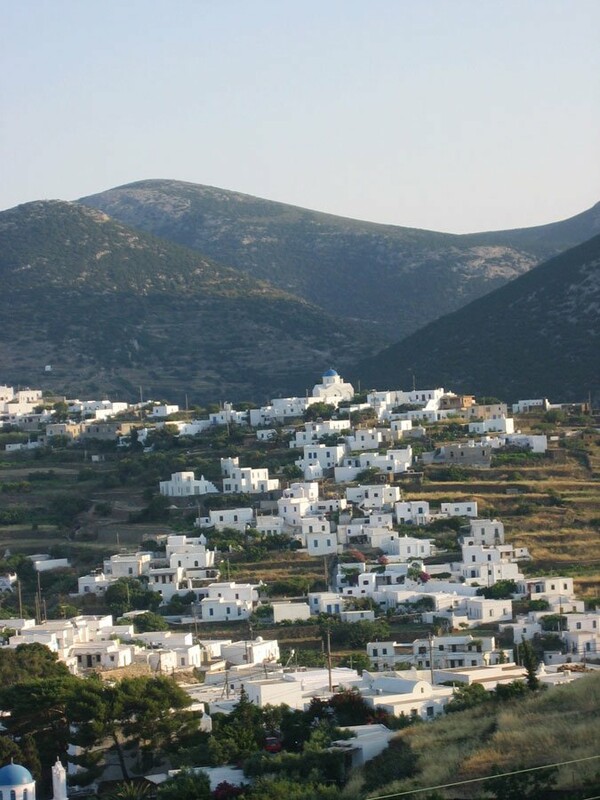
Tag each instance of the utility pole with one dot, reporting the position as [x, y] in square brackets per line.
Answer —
[431, 657]
[20, 598]
[39, 592]
[329, 657]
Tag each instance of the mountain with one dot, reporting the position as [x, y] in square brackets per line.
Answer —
[112, 309]
[395, 279]
[537, 336]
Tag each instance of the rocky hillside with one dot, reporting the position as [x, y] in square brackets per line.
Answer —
[112, 309]
[537, 336]
[397, 279]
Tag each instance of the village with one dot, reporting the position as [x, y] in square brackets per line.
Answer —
[473, 595]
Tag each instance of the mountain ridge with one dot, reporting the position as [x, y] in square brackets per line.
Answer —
[538, 335]
[111, 308]
[393, 278]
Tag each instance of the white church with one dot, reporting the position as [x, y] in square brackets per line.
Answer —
[17, 783]
[333, 389]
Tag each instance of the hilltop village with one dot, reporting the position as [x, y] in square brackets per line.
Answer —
[415, 601]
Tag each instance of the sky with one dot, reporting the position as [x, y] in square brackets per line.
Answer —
[452, 115]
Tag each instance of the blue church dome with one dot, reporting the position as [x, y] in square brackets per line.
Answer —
[331, 373]
[15, 775]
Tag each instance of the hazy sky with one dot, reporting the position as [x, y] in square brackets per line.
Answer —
[455, 115]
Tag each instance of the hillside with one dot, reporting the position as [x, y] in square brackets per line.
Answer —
[537, 336]
[112, 309]
[396, 278]
[546, 728]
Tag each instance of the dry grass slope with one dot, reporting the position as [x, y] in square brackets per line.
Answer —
[558, 725]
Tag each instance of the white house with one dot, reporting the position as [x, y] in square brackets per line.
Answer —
[548, 588]
[368, 439]
[321, 457]
[96, 583]
[321, 543]
[367, 742]
[269, 524]
[404, 694]
[484, 610]
[228, 416]
[485, 532]
[245, 480]
[388, 655]
[407, 548]
[184, 484]
[463, 650]
[390, 463]
[218, 609]
[525, 406]
[257, 651]
[102, 655]
[291, 611]
[167, 581]
[275, 692]
[164, 410]
[415, 512]
[296, 502]
[374, 496]
[127, 565]
[459, 509]
[500, 425]
[325, 602]
[313, 431]
[236, 518]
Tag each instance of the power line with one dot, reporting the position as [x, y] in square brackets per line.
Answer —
[486, 778]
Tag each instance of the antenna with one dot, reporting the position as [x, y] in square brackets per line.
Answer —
[329, 656]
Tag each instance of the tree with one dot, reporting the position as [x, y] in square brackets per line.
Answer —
[149, 621]
[319, 411]
[29, 661]
[530, 663]
[128, 594]
[238, 735]
[37, 716]
[467, 696]
[358, 661]
[187, 785]
[148, 713]
[269, 788]
[397, 761]
[501, 590]
[536, 785]
[130, 791]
